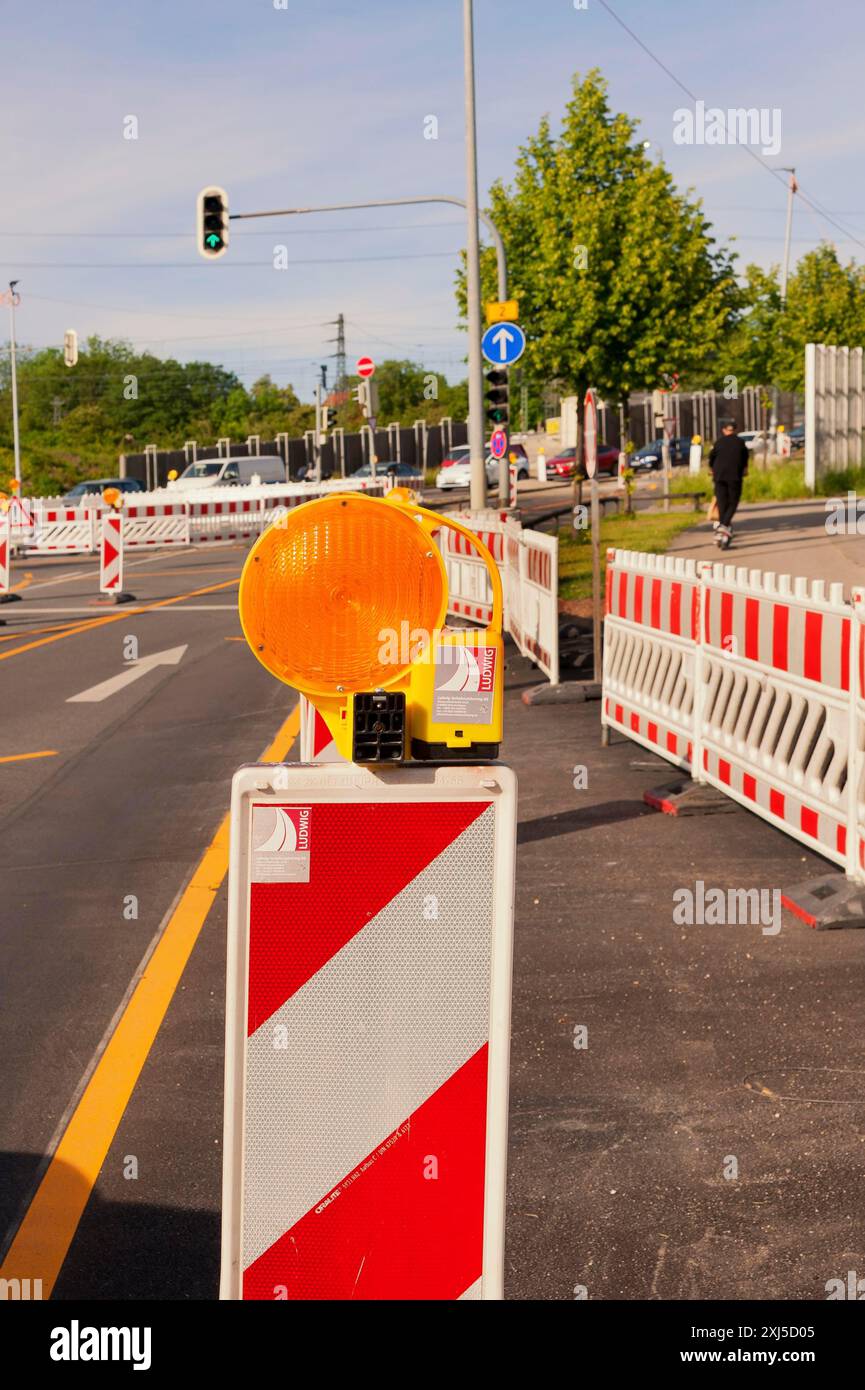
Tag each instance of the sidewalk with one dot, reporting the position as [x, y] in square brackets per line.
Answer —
[703, 1042]
[787, 537]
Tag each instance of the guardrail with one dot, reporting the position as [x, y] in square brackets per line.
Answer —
[753, 682]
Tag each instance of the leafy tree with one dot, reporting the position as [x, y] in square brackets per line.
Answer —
[619, 280]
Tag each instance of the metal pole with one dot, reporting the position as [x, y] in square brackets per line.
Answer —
[316, 443]
[495, 234]
[478, 481]
[791, 189]
[596, 574]
[16, 443]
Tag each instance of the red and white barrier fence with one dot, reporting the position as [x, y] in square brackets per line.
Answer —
[5, 552]
[528, 562]
[111, 539]
[753, 682]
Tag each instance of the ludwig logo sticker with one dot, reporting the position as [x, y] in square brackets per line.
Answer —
[465, 679]
[280, 844]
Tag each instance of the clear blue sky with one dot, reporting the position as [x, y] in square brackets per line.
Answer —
[325, 102]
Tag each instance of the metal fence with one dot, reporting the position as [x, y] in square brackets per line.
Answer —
[834, 409]
[419, 445]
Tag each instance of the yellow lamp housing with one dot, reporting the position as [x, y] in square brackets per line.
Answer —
[345, 598]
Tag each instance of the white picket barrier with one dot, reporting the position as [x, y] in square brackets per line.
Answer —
[528, 565]
[5, 552]
[155, 523]
[753, 682]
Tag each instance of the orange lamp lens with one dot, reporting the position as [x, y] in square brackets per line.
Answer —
[326, 592]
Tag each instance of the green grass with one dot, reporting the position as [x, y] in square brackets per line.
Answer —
[648, 531]
[783, 482]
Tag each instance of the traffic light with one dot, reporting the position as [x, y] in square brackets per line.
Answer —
[328, 418]
[212, 223]
[497, 398]
[366, 395]
[70, 347]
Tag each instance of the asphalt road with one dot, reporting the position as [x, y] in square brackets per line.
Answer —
[704, 1042]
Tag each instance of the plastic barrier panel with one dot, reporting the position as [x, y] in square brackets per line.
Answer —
[744, 678]
[367, 1032]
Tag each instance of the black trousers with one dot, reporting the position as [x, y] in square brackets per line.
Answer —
[727, 496]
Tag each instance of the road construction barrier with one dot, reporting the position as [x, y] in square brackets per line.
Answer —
[155, 523]
[163, 518]
[5, 552]
[751, 681]
[63, 530]
[111, 553]
[367, 1032]
[528, 563]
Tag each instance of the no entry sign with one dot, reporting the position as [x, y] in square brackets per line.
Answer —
[365, 366]
[590, 433]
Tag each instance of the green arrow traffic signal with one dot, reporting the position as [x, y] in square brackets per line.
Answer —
[212, 222]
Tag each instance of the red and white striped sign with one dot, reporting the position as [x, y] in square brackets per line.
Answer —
[370, 925]
[5, 551]
[316, 740]
[111, 553]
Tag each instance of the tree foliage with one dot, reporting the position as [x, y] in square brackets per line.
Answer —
[619, 280]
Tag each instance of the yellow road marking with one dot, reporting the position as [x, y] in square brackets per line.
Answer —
[20, 757]
[23, 583]
[90, 623]
[43, 1239]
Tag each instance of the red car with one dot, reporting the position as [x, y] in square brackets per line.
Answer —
[564, 463]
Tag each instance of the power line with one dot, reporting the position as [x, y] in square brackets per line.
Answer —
[184, 236]
[233, 265]
[776, 173]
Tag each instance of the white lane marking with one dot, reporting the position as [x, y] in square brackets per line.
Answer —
[83, 574]
[96, 693]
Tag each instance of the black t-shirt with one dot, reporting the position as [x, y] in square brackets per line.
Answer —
[728, 459]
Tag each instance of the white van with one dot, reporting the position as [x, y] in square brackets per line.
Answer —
[269, 468]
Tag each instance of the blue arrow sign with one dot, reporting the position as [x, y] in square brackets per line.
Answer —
[503, 344]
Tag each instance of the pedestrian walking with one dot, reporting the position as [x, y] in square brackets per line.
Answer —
[728, 462]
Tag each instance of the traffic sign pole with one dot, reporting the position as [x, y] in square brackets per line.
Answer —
[590, 432]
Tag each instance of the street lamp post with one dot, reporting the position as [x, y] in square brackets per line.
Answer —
[12, 298]
[478, 480]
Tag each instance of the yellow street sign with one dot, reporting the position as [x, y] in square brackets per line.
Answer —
[503, 311]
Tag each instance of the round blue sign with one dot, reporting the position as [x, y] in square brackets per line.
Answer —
[503, 344]
[498, 444]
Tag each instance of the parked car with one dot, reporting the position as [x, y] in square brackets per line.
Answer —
[563, 464]
[754, 439]
[98, 485]
[797, 437]
[459, 454]
[386, 466]
[458, 474]
[230, 472]
[651, 455]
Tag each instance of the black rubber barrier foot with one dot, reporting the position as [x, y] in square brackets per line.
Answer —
[827, 903]
[569, 693]
[689, 798]
[10, 598]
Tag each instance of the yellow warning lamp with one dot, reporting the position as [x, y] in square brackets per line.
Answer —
[112, 497]
[345, 598]
[172, 475]
[14, 484]
[4, 502]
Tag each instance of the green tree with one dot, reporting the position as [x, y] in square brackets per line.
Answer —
[618, 277]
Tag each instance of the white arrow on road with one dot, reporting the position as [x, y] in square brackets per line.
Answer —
[503, 340]
[133, 670]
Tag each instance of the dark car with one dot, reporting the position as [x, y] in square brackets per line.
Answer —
[797, 437]
[386, 467]
[98, 486]
[651, 455]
